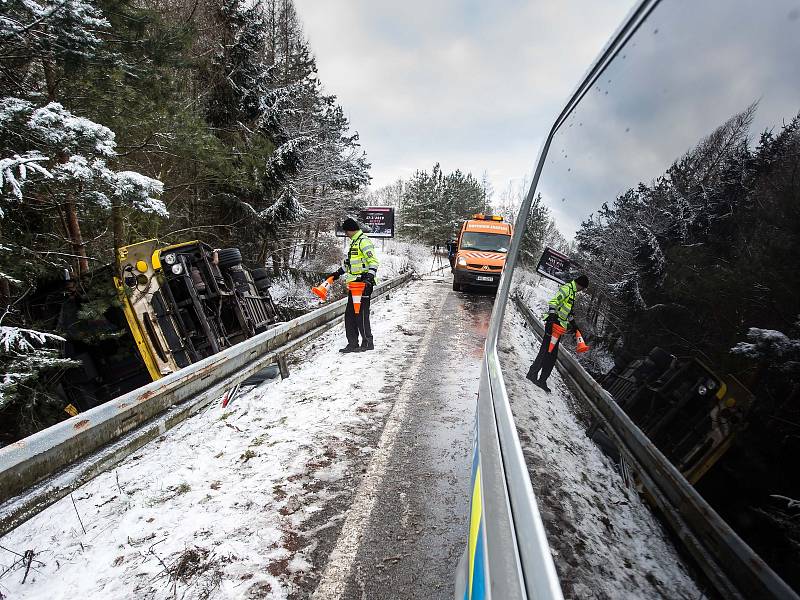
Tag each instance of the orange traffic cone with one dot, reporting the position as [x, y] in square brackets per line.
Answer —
[581, 346]
[356, 290]
[322, 289]
[557, 332]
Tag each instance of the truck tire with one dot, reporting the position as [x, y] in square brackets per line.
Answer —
[260, 274]
[229, 257]
[262, 285]
[660, 358]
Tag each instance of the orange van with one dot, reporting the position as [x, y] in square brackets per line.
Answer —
[478, 255]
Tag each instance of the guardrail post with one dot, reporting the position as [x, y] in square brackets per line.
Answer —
[283, 365]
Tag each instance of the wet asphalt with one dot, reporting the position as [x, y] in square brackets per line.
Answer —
[417, 530]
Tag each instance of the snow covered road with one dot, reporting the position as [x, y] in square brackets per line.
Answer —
[248, 502]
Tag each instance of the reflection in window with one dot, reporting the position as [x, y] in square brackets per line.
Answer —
[676, 185]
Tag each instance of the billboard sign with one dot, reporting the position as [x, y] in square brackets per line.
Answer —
[555, 266]
[375, 221]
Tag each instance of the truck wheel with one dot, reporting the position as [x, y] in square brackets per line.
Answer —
[229, 257]
[262, 285]
[239, 278]
[260, 274]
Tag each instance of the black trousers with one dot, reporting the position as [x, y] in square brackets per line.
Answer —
[545, 361]
[355, 324]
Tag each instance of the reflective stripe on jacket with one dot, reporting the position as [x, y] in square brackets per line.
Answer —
[563, 302]
[360, 258]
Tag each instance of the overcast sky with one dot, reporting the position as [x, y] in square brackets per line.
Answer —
[471, 84]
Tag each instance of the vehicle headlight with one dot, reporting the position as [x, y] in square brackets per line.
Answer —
[462, 261]
[169, 259]
[702, 390]
[177, 269]
[711, 384]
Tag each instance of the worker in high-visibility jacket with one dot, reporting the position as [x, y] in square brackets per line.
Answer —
[559, 310]
[361, 264]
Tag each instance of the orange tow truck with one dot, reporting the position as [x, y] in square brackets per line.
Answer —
[478, 254]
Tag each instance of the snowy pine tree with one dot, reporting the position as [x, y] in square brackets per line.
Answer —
[435, 204]
[112, 111]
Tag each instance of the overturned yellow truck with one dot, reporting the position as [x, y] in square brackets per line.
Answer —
[688, 410]
[188, 301]
[156, 310]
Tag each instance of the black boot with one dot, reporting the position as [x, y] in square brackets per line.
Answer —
[367, 345]
[350, 348]
[532, 376]
[542, 384]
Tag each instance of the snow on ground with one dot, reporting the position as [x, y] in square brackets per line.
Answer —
[231, 503]
[606, 543]
[399, 256]
[395, 256]
[294, 292]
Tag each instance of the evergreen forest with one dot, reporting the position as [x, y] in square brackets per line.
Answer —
[123, 121]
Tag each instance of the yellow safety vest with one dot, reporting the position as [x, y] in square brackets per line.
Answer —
[360, 258]
[563, 302]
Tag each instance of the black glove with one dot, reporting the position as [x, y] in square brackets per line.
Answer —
[336, 274]
[367, 278]
[552, 317]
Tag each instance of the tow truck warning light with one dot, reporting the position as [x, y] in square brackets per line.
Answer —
[482, 217]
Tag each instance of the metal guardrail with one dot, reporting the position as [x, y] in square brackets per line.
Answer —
[39, 470]
[734, 569]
